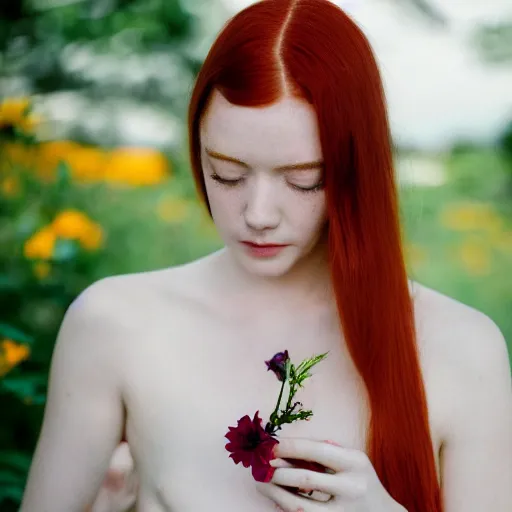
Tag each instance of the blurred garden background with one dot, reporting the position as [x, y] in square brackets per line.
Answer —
[95, 180]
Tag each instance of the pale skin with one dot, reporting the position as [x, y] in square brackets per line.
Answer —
[177, 356]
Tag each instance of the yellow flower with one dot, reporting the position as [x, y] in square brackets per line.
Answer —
[70, 224]
[129, 166]
[14, 113]
[173, 209]
[12, 354]
[92, 237]
[41, 245]
[136, 166]
[42, 269]
[75, 225]
[86, 163]
[475, 256]
[10, 186]
[470, 216]
[50, 154]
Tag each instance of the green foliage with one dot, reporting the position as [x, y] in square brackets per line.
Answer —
[59, 233]
[301, 373]
[493, 41]
[40, 277]
[459, 234]
[31, 310]
[37, 36]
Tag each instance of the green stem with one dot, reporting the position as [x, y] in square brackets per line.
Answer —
[273, 416]
[290, 396]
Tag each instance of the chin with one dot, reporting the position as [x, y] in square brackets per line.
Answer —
[266, 269]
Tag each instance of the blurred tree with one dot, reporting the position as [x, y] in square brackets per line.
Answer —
[492, 41]
[505, 146]
[141, 53]
[426, 10]
[33, 34]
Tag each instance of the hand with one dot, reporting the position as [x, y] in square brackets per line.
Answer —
[349, 478]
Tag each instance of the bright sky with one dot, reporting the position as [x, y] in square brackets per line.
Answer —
[437, 89]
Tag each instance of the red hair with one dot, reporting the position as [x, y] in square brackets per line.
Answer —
[312, 50]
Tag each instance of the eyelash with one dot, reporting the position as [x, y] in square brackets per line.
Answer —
[234, 183]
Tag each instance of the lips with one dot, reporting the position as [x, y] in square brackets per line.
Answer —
[263, 250]
[252, 244]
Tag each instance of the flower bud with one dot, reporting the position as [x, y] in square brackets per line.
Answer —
[278, 364]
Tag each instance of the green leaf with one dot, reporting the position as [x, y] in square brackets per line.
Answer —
[13, 333]
[8, 282]
[15, 461]
[9, 478]
[24, 386]
[288, 370]
[14, 493]
[307, 364]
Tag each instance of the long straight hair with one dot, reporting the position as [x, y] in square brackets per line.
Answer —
[310, 49]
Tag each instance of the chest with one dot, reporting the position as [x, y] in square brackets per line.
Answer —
[188, 394]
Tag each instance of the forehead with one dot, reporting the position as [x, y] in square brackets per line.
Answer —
[283, 133]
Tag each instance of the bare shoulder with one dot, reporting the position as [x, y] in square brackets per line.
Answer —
[129, 300]
[468, 366]
[467, 337]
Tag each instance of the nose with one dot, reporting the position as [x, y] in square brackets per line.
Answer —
[261, 210]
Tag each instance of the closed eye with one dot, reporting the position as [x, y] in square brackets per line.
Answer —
[230, 182]
[236, 181]
[305, 180]
[313, 188]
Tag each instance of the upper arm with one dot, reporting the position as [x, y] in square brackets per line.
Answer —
[84, 412]
[476, 461]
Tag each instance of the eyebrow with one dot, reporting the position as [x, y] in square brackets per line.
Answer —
[291, 167]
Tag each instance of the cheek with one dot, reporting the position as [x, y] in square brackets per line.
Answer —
[309, 215]
[225, 204]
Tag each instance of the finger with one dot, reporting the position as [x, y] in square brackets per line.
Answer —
[337, 458]
[280, 463]
[288, 501]
[306, 480]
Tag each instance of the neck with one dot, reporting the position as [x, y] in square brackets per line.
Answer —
[308, 282]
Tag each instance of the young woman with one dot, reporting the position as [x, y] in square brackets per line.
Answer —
[291, 150]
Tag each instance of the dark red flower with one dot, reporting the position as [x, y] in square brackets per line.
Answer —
[252, 446]
[278, 364]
